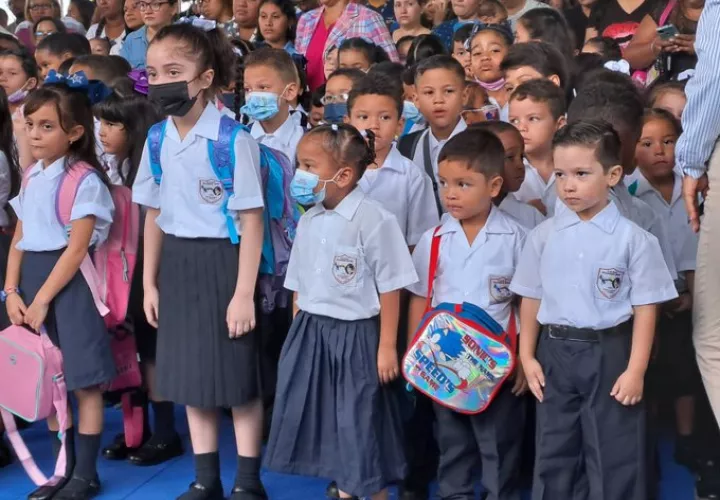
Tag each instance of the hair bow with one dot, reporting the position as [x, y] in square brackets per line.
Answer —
[96, 90]
[686, 75]
[198, 22]
[621, 66]
[140, 81]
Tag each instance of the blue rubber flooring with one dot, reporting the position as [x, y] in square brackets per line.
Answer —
[167, 481]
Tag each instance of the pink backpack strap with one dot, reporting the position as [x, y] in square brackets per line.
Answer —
[64, 201]
[60, 402]
[26, 176]
[666, 13]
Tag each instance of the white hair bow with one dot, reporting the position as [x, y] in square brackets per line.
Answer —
[621, 66]
[686, 75]
[199, 22]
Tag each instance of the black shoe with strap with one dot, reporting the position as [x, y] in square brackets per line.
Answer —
[198, 491]
[156, 451]
[117, 450]
[79, 488]
[47, 492]
[239, 493]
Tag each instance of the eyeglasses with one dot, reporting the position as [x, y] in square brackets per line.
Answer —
[43, 34]
[154, 6]
[334, 99]
[41, 6]
[489, 111]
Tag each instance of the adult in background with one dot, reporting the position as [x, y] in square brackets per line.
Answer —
[516, 8]
[577, 18]
[277, 23]
[17, 7]
[156, 14]
[617, 19]
[34, 11]
[246, 16]
[133, 20]
[220, 11]
[82, 11]
[464, 12]
[327, 26]
[111, 24]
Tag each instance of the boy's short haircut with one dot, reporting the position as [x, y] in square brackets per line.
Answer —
[64, 68]
[613, 103]
[379, 85]
[609, 48]
[354, 74]
[58, 44]
[491, 8]
[496, 127]
[463, 34]
[277, 60]
[106, 68]
[394, 71]
[541, 56]
[440, 62]
[596, 134]
[542, 91]
[586, 62]
[481, 150]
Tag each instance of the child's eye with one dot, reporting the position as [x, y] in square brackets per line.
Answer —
[646, 144]
[463, 184]
[582, 173]
[174, 72]
[669, 141]
[443, 184]
[558, 174]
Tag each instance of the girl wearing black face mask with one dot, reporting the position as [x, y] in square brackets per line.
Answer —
[200, 180]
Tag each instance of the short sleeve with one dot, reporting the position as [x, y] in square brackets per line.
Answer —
[292, 274]
[650, 279]
[93, 198]
[421, 261]
[659, 230]
[16, 204]
[145, 191]
[687, 260]
[526, 282]
[388, 256]
[247, 180]
[422, 210]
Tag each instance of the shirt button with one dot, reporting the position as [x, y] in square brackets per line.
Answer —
[580, 256]
[318, 271]
[467, 293]
[322, 241]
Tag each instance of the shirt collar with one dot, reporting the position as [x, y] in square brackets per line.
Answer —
[435, 142]
[283, 132]
[393, 160]
[207, 126]
[644, 187]
[495, 224]
[51, 171]
[606, 219]
[347, 208]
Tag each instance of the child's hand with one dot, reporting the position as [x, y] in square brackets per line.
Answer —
[16, 309]
[388, 369]
[36, 314]
[628, 390]
[151, 305]
[535, 377]
[520, 386]
[240, 316]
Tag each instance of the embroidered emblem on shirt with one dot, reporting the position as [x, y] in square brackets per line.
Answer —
[344, 268]
[211, 190]
[499, 289]
[609, 282]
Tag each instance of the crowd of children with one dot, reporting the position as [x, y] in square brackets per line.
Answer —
[538, 185]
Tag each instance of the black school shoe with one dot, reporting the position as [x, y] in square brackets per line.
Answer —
[332, 491]
[79, 488]
[199, 492]
[117, 450]
[156, 451]
[47, 492]
[243, 494]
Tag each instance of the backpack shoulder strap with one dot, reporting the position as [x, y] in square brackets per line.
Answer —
[407, 145]
[222, 159]
[434, 260]
[666, 13]
[155, 138]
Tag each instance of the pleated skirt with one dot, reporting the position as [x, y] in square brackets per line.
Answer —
[73, 323]
[332, 418]
[198, 364]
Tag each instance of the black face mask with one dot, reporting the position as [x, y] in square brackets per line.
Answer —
[228, 101]
[173, 98]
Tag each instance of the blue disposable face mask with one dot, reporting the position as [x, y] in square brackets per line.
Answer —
[411, 113]
[303, 185]
[261, 106]
[335, 112]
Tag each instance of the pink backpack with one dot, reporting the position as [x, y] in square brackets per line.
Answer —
[31, 366]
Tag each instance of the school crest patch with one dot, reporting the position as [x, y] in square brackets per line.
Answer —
[609, 281]
[210, 190]
[499, 289]
[344, 268]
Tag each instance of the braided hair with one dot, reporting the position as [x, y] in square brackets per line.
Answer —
[347, 146]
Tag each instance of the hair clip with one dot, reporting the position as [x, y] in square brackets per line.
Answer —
[94, 89]
[686, 75]
[621, 66]
[140, 81]
[334, 127]
[198, 22]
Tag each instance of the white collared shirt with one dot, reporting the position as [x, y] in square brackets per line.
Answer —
[35, 207]
[590, 274]
[479, 272]
[435, 147]
[190, 196]
[405, 190]
[285, 139]
[527, 215]
[534, 187]
[342, 259]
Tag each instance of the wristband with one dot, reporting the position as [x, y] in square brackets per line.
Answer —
[7, 292]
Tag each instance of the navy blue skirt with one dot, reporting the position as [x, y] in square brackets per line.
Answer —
[73, 323]
[332, 418]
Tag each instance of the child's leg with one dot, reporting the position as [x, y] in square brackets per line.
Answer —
[248, 423]
[458, 455]
[685, 415]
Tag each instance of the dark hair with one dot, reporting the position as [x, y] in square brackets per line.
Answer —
[604, 75]
[59, 26]
[288, 10]
[440, 62]
[390, 69]
[103, 39]
[503, 29]
[347, 145]
[373, 53]
[660, 88]
[550, 26]
[7, 39]
[240, 49]
[496, 127]
[211, 50]
[596, 134]
[8, 145]
[609, 48]
[405, 39]
[73, 108]
[275, 59]
[355, 75]
[489, 8]
[137, 114]
[86, 9]
[424, 46]
[316, 100]
[543, 91]
[106, 68]
[58, 44]
[27, 62]
[615, 103]
[64, 68]
[462, 34]
[481, 150]
[541, 56]
[662, 114]
[377, 85]
[586, 62]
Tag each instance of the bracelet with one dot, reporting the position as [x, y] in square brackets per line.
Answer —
[7, 292]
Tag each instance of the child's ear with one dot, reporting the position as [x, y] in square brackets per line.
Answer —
[291, 93]
[495, 185]
[561, 122]
[346, 119]
[614, 175]
[344, 177]
[33, 83]
[207, 78]
[555, 79]
[75, 133]
[400, 127]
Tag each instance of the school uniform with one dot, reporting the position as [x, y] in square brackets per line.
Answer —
[527, 215]
[494, 437]
[332, 417]
[431, 145]
[285, 139]
[404, 190]
[73, 322]
[588, 276]
[534, 187]
[197, 363]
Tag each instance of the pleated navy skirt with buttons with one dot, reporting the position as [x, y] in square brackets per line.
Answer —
[198, 364]
[73, 323]
[332, 418]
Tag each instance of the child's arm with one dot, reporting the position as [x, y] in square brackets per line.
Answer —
[387, 353]
[529, 331]
[295, 307]
[241, 311]
[153, 237]
[415, 314]
[64, 270]
[15, 305]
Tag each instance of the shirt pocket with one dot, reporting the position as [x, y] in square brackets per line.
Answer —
[610, 282]
[496, 282]
[347, 267]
